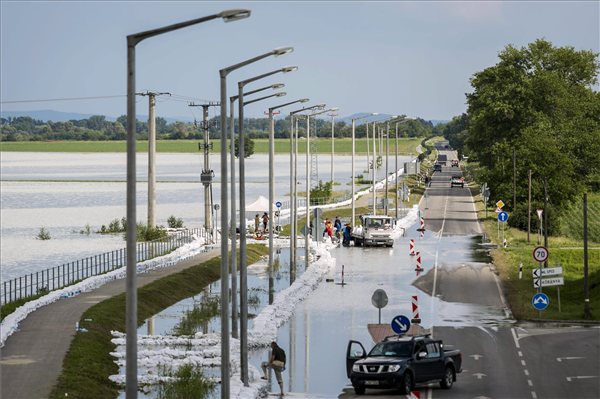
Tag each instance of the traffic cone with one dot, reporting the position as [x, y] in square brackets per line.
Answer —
[419, 268]
[411, 248]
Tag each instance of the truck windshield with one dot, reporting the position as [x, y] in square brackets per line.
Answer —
[377, 223]
[392, 349]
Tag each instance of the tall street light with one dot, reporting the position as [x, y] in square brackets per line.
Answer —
[402, 120]
[234, 311]
[308, 185]
[333, 115]
[294, 186]
[353, 155]
[243, 260]
[387, 141]
[131, 280]
[225, 215]
[272, 179]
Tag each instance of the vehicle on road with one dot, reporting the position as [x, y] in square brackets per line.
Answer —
[442, 159]
[401, 362]
[437, 167]
[457, 181]
[454, 162]
[373, 230]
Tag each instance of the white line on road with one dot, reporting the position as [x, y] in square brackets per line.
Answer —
[533, 395]
[560, 359]
[526, 372]
[520, 353]
[523, 363]
[530, 383]
[581, 377]
[514, 334]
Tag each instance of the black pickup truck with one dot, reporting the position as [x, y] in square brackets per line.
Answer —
[401, 362]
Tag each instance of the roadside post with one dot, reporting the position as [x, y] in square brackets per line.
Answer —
[540, 254]
[499, 206]
[548, 277]
[379, 300]
[502, 217]
[278, 214]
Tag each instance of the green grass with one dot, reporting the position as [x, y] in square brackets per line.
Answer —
[342, 146]
[88, 363]
[564, 251]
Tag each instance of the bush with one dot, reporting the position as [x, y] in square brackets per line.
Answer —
[43, 234]
[175, 223]
[321, 192]
[145, 233]
[188, 382]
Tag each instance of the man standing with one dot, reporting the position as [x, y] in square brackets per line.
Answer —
[277, 363]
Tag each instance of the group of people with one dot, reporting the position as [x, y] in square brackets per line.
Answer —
[265, 223]
[335, 227]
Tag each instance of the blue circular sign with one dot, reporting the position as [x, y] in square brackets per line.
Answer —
[278, 204]
[503, 216]
[400, 324]
[540, 301]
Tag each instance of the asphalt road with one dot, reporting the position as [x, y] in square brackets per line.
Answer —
[501, 358]
[31, 359]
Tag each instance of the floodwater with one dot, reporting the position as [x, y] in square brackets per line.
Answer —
[64, 192]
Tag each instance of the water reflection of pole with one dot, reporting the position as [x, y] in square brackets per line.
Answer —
[151, 326]
[292, 351]
[306, 349]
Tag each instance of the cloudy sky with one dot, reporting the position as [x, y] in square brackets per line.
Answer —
[412, 58]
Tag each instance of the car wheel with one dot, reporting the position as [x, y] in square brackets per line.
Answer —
[360, 390]
[407, 384]
[448, 379]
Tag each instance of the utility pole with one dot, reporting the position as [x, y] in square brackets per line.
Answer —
[151, 154]
[387, 154]
[207, 174]
[587, 314]
[396, 168]
[514, 179]
[529, 208]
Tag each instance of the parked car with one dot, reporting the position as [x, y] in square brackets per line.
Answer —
[437, 167]
[401, 362]
[374, 230]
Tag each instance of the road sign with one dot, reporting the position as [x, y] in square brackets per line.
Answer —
[548, 282]
[540, 301]
[540, 254]
[502, 216]
[500, 204]
[379, 298]
[539, 213]
[278, 204]
[551, 271]
[400, 324]
[304, 231]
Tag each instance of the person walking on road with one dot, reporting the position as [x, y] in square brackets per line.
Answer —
[277, 363]
[265, 219]
[337, 224]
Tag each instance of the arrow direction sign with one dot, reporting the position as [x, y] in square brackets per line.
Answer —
[540, 301]
[560, 359]
[581, 377]
[476, 357]
[551, 271]
[548, 282]
[400, 324]
[479, 375]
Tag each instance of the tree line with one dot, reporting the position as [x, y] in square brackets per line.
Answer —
[98, 128]
[535, 110]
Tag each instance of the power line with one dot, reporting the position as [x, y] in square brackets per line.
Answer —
[61, 99]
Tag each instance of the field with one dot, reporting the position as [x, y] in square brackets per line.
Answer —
[342, 146]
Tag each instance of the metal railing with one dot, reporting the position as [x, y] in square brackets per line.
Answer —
[58, 277]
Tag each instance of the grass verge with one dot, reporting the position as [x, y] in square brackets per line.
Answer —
[563, 251]
[88, 364]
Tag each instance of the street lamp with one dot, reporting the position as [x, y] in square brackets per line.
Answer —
[293, 186]
[243, 260]
[353, 154]
[131, 280]
[387, 140]
[224, 214]
[333, 115]
[272, 177]
[234, 312]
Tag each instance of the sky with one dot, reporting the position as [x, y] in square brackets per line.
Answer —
[412, 58]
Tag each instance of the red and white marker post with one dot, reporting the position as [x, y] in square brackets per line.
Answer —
[422, 225]
[419, 268]
[415, 310]
[411, 247]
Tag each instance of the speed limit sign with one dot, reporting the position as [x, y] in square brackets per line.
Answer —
[540, 254]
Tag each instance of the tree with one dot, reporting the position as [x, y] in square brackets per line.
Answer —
[248, 147]
[538, 100]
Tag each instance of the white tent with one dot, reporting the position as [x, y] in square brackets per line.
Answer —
[260, 205]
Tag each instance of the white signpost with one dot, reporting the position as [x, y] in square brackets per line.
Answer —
[548, 277]
[551, 271]
[548, 282]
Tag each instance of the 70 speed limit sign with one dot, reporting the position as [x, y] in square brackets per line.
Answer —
[540, 254]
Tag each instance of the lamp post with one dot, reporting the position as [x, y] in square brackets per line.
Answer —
[402, 120]
[243, 265]
[353, 155]
[387, 141]
[234, 312]
[333, 115]
[224, 215]
[131, 280]
[308, 183]
[294, 185]
[272, 178]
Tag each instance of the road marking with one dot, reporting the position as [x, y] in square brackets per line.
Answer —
[479, 375]
[520, 353]
[476, 357]
[533, 395]
[523, 363]
[526, 372]
[560, 359]
[429, 393]
[581, 377]
[435, 268]
[514, 334]
[530, 383]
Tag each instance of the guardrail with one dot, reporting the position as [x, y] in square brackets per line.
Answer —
[57, 277]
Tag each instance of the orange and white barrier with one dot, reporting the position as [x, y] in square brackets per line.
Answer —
[419, 268]
[415, 310]
[411, 248]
